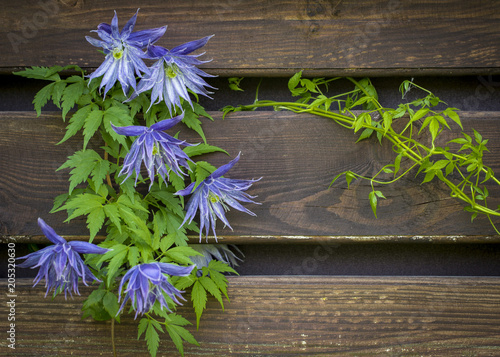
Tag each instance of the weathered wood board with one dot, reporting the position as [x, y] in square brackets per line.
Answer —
[297, 156]
[277, 316]
[382, 37]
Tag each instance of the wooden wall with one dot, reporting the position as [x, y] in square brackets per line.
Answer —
[297, 156]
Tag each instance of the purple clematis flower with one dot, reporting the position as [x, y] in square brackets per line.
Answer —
[124, 52]
[173, 74]
[60, 264]
[147, 283]
[155, 148]
[214, 196]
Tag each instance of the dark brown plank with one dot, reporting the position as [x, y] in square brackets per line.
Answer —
[369, 37]
[279, 316]
[297, 156]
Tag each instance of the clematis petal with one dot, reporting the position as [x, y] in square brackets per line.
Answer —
[225, 168]
[167, 123]
[50, 233]
[132, 130]
[191, 46]
[87, 248]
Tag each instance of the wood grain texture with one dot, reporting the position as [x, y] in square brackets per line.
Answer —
[368, 37]
[297, 156]
[277, 316]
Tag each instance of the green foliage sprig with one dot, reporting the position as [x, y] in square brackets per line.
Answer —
[459, 164]
[140, 226]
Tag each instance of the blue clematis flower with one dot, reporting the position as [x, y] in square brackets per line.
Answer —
[60, 264]
[173, 74]
[155, 148]
[147, 283]
[124, 52]
[220, 252]
[214, 196]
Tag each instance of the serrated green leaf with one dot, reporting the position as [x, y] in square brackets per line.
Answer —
[216, 265]
[118, 116]
[115, 263]
[91, 125]
[99, 172]
[95, 220]
[181, 255]
[192, 122]
[111, 211]
[36, 72]
[220, 280]
[152, 338]
[133, 256]
[198, 109]
[76, 122]
[202, 170]
[82, 204]
[57, 92]
[212, 288]
[58, 201]
[83, 163]
[42, 97]
[70, 96]
[141, 328]
[199, 299]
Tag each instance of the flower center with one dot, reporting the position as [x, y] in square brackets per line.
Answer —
[171, 71]
[156, 149]
[117, 53]
[213, 198]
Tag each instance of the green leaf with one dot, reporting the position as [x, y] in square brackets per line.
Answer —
[212, 288]
[71, 95]
[294, 81]
[111, 211]
[115, 263]
[177, 333]
[82, 204]
[152, 338]
[118, 116]
[201, 149]
[216, 265]
[198, 109]
[199, 299]
[192, 122]
[110, 303]
[99, 172]
[365, 134]
[202, 171]
[39, 73]
[83, 163]
[42, 97]
[76, 122]
[234, 83]
[95, 220]
[452, 114]
[91, 125]
[181, 255]
[373, 195]
[434, 128]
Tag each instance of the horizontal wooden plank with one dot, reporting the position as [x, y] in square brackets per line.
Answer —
[297, 156]
[368, 37]
[276, 316]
